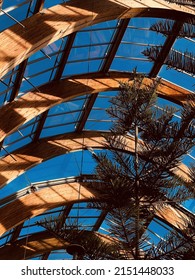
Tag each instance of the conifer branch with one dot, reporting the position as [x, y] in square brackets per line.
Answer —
[182, 2]
[177, 60]
[166, 28]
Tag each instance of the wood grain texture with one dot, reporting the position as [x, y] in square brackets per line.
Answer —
[18, 43]
[33, 154]
[36, 203]
[38, 243]
[32, 104]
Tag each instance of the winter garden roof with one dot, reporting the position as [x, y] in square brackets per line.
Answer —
[60, 63]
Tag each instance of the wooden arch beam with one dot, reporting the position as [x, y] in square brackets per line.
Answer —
[32, 104]
[36, 203]
[33, 154]
[37, 244]
[18, 43]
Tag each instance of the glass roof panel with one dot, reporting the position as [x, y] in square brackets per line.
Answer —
[157, 231]
[41, 65]
[82, 52]
[90, 49]
[190, 205]
[102, 25]
[125, 64]
[4, 239]
[13, 12]
[86, 66]
[182, 79]
[57, 130]
[21, 137]
[61, 119]
[58, 168]
[50, 3]
[183, 44]
[143, 22]
[145, 36]
[135, 40]
[6, 86]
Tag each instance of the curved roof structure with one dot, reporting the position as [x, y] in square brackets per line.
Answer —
[60, 64]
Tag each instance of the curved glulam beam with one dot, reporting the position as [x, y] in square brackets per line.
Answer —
[32, 104]
[33, 154]
[37, 244]
[18, 43]
[38, 202]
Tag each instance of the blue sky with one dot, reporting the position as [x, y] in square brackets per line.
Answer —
[89, 51]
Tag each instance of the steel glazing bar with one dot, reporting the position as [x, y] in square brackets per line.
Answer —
[60, 223]
[23, 65]
[33, 154]
[18, 43]
[14, 19]
[32, 104]
[104, 69]
[116, 43]
[57, 77]
[166, 48]
[48, 183]
[43, 200]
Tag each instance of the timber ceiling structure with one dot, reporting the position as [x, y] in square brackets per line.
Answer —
[60, 63]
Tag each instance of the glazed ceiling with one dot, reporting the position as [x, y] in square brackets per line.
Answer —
[60, 63]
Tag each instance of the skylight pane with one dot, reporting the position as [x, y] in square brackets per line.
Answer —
[181, 79]
[82, 67]
[50, 3]
[16, 9]
[89, 52]
[19, 183]
[134, 34]
[57, 130]
[22, 136]
[183, 44]
[103, 25]
[131, 50]
[40, 66]
[62, 119]
[123, 64]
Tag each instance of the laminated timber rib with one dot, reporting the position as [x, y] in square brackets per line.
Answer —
[33, 154]
[32, 104]
[36, 203]
[37, 244]
[16, 45]
[49, 25]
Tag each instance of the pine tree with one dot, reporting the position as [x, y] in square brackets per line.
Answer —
[130, 184]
